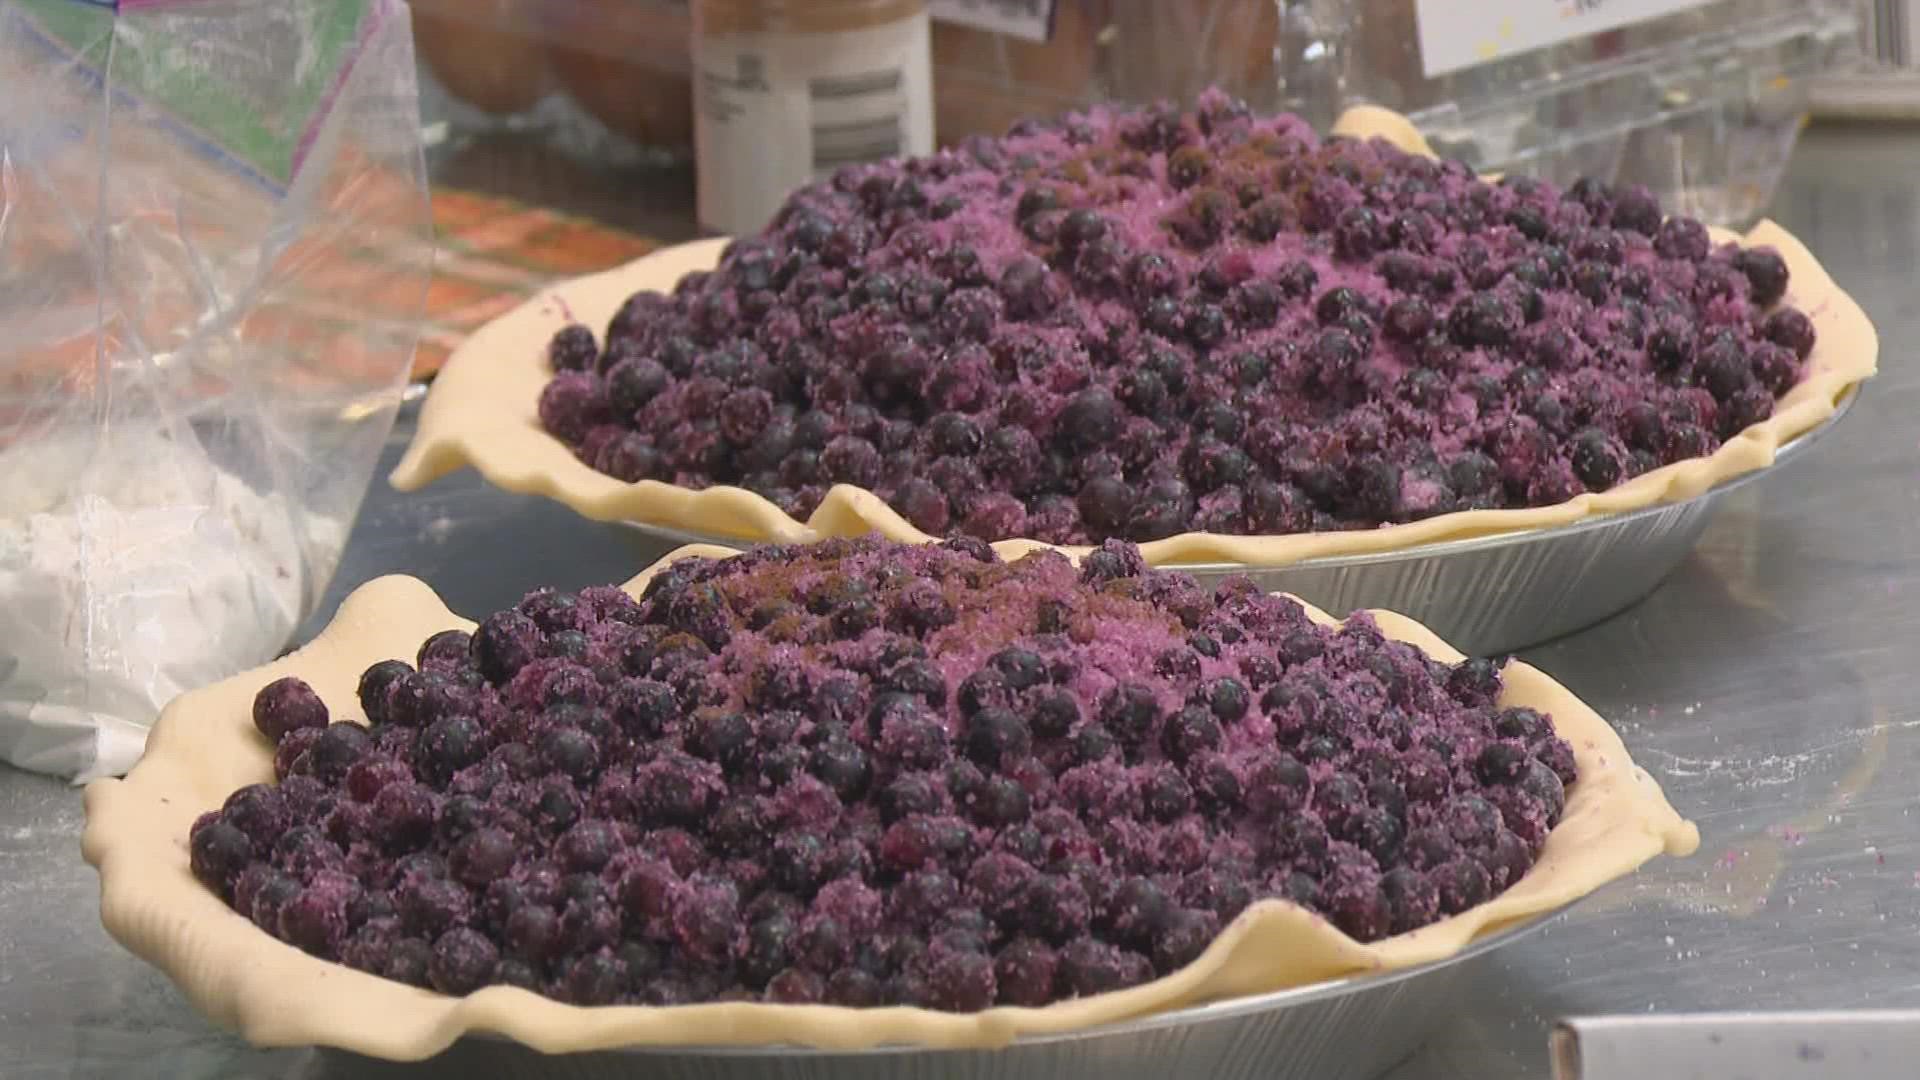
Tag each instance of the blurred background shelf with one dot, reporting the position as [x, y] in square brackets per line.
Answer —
[1702, 104]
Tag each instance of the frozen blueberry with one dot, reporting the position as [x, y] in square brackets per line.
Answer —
[996, 735]
[1089, 967]
[632, 384]
[1189, 732]
[316, 921]
[1055, 908]
[1001, 801]
[404, 815]
[1129, 712]
[1277, 784]
[259, 811]
[572, 405]
[339, 746]
[644, 708]
[1093, 743]
[842, 766]
[447, 651]
[1339, 303]
[450, 744]
[1722, 368]
[286, 704]
[1460, 883]
[503, 644]
[959, 981]
[1682, 238]
[1766, 274]
[1408, 319]
[463, 960]
[1166, 794]
[1024, 973]
[1596, 460]
[721, 736]
[1335, 354]
[217, 852]
[1540, 781]
[1227, 697]
[1743, 408]
[1774, 367]
[1475, 681]
[1483, 320]
[573, 349]
[1051, 712]
[374, 685]
[432, 905]
[1413, 899]
[1081, 227]
[593, 979]
[1791, 328]
[1357, 234]
[418, 698]
[482, 857]
[1636, 209]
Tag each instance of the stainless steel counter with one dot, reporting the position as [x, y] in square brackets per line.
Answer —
[1771, 685]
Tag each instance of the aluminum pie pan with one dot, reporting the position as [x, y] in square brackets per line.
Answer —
[1354, 1028]
[1494, 594]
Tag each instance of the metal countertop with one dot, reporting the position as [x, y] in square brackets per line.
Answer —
[1772, 685]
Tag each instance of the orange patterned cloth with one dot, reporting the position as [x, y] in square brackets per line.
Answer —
[494, 253]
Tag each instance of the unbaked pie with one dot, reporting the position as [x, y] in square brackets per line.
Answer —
[1010, 796]
[1146, 324]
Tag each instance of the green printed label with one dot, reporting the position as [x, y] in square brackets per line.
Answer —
[251, 96]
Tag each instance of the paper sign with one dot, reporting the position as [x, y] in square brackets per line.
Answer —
[1459, 34]
[1029, 20]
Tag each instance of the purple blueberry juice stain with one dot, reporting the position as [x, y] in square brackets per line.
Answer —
[874, 773]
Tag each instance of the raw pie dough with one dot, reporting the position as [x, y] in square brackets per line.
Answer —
[483, 411]
[205, 746]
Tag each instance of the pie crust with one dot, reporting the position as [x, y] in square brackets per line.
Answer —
[205, 746]
[483, 412]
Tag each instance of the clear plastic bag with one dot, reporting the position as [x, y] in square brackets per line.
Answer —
[214, 249]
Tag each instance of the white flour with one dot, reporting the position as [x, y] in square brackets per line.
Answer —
[128, 577]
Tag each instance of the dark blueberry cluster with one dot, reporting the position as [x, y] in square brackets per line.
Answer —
[867, 773]
[1137, 322]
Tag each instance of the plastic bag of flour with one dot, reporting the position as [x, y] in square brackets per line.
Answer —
[214, 247]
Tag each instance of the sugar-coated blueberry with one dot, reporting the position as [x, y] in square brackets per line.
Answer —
[1790, 327]
[286, 704]
[573, 349]
[1766, 274]
[463, 960]
[217, 851]
[994, 736]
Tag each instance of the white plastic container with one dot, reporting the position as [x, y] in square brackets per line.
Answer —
[1702, 105]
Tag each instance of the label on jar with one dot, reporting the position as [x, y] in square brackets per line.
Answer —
[1454, 39]
[1028, 20]
[773, 111]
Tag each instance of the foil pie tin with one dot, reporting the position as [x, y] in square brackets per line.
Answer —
[1346, 1029]
[1490, 594]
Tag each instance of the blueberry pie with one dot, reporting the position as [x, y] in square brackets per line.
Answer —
[1205, 332]
[1008, 796]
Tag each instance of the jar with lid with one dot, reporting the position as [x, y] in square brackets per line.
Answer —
[787, 91]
